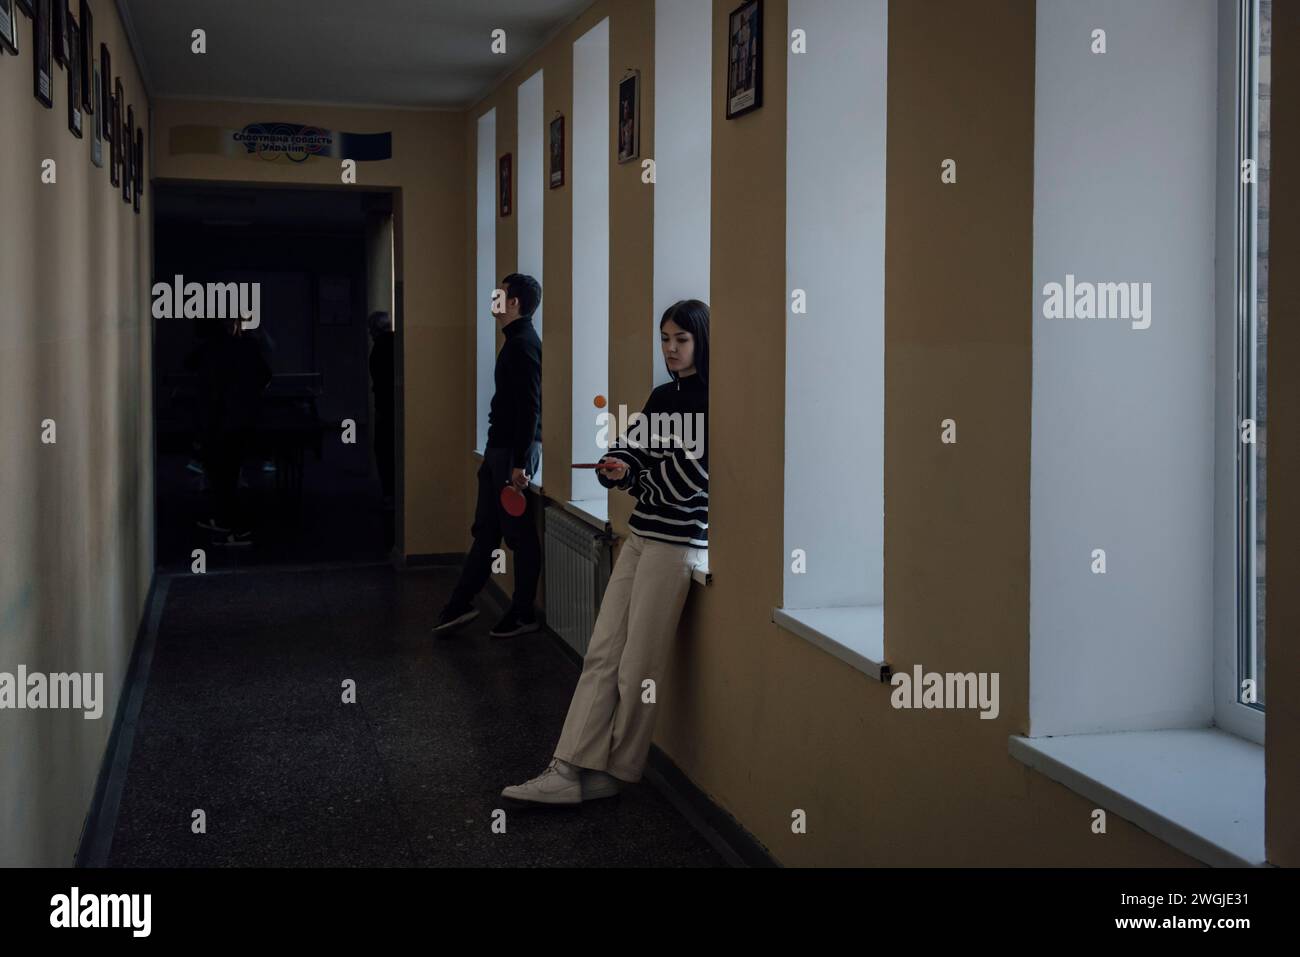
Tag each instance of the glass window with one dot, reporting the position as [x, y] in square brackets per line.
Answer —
[1252, 363]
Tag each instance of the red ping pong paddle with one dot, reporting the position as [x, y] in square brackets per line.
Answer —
[513, 501]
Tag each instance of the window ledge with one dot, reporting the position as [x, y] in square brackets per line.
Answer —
[701, 572]
[855, 635]
[594, 511]
[1200, 790]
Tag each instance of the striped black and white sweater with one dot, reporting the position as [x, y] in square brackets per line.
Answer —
[668, 464]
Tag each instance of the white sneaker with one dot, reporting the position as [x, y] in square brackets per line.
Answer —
[599, 784]
[560, 783]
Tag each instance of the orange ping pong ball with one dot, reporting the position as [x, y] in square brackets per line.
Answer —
[600, 402]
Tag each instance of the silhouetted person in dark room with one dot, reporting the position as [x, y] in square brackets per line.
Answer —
[381, 382]
[512, 456]
[266, 344]
[232, 374]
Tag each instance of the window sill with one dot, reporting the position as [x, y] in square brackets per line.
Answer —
[701, 572]
[594, 511]
[1200, 790]
[855, 635]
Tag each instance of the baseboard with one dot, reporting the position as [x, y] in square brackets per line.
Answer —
[101, 818]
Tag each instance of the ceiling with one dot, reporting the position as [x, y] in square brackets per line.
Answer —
[409, 53]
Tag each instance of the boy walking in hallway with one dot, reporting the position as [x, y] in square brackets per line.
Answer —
[512, 455]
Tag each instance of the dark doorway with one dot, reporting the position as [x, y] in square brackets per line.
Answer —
[299, 478]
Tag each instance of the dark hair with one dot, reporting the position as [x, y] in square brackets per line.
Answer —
[524, 288]
[693, 317]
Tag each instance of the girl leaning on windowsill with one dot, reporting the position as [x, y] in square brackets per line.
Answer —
[607, 732]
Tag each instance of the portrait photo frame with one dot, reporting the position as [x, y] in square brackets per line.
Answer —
[745, 59]
[42, 54]
[629, 116]
[128, 155]
[74, 79]
[105, 104]
[137, 168]
[113, 123]
[97, 123]
[505, 169]
[557, 152]
[59, 31]
[9, 26]
[86, 22]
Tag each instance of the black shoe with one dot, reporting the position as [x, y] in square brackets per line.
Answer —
[514, 624]
[452, 617]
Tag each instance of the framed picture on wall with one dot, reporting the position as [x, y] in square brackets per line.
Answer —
[113, 123]
[105, 94]
[74, 79]
[137, 168]
[504, 165]
[8, 26]
[97, 124]
[629, 116]
[87, 53]
[42, 54]
[557, 152]
[59, 28]
[128, 155]
[745, 59]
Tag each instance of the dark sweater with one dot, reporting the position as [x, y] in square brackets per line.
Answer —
[515, 416]
[670, 478]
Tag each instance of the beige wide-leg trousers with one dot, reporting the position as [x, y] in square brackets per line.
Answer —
[609, 727]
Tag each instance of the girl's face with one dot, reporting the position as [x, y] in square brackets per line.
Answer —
[679, 348]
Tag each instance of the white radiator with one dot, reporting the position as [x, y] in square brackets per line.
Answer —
[578, 561]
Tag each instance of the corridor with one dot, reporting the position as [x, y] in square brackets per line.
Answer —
[870, 423]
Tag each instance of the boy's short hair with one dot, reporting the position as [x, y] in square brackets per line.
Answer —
[524, 288]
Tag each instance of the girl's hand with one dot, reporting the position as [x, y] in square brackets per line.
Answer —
[613, 468]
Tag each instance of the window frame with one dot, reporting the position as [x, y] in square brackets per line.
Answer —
[482, 329]
[588, 148]
[1248, 456]
[1230, 712]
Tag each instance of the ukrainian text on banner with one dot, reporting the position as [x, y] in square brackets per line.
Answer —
[274, 141]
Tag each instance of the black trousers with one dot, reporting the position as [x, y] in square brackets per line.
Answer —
[224, 453]
[492, 522]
